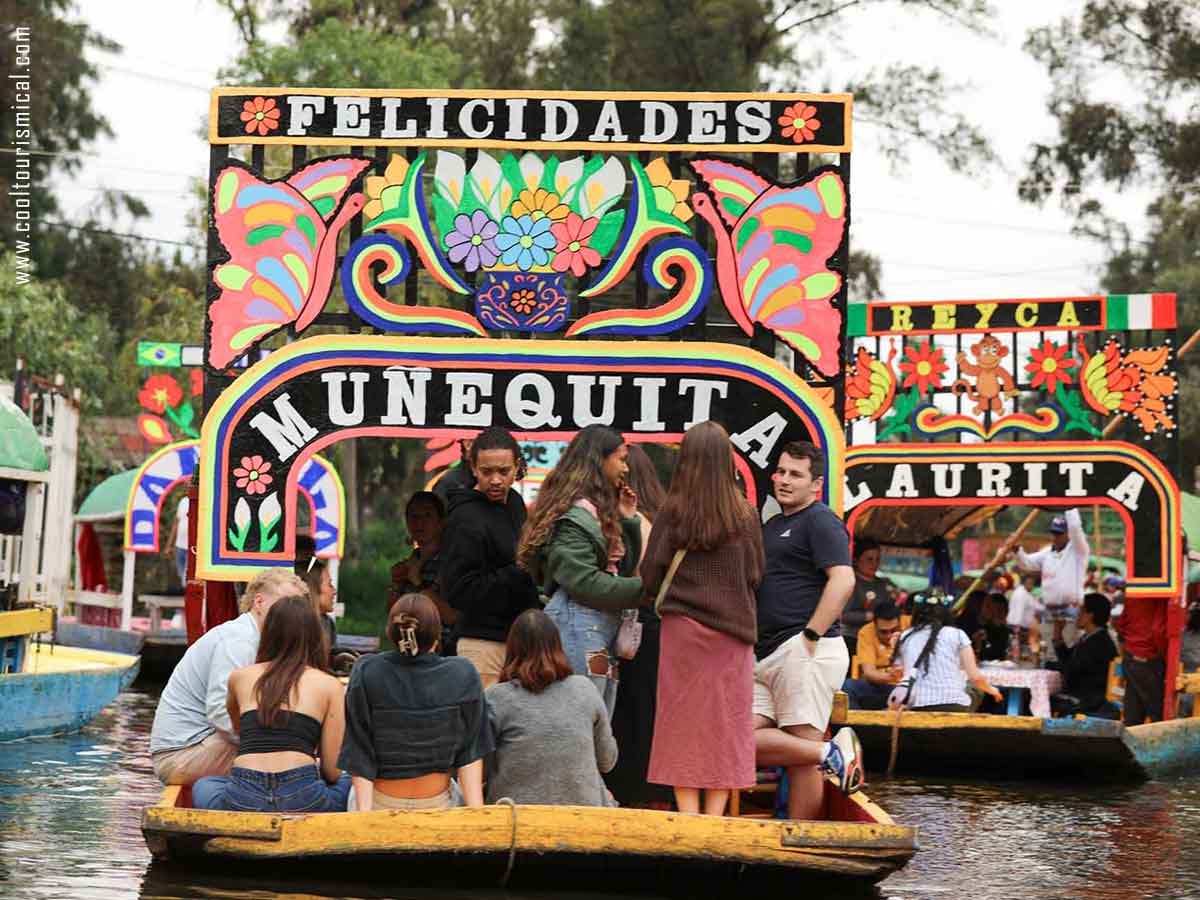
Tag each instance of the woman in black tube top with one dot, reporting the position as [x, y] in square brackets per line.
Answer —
[290, 714]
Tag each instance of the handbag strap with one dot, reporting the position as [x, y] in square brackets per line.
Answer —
[670, 576]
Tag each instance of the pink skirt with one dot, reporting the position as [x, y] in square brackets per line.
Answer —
[704, 722]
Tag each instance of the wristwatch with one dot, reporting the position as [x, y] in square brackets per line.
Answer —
[811, 635]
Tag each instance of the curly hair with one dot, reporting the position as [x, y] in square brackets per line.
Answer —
[578, 475]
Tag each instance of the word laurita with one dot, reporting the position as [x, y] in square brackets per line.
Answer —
[524, 119]
[528, 402]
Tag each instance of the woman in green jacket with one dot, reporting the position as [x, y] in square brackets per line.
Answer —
[583, 543]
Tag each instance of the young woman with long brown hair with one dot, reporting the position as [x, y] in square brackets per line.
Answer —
[582, 543]
[703, 726]
[288, 711]
[551, 729]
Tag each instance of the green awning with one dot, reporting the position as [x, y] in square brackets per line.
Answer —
[107, 500]
[20, 446]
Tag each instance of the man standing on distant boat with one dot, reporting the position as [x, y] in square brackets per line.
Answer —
[802, 658]
[1062, 566]
[192, 735]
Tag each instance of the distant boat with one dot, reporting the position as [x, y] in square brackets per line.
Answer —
[48, 688]
[624, 848]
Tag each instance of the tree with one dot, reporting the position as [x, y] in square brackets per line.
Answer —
[1126, 85]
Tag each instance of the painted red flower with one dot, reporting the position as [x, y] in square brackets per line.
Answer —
[923, 365]
[1050, 365]
[799, 122]
[160, 393]
[252, 475]
[260, 115]
[197, 382]
[572, 251]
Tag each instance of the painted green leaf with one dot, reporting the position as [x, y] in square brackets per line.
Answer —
[268, 538]
[512, 174]
[443, 216]
[902, 409]
[237, 537]
[1078, 416]
[607, 231]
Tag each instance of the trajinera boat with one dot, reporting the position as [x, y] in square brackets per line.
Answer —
[855, 841]
[47, 688]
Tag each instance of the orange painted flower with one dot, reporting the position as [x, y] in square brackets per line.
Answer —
[1050, 365]
[923, 365]
[154, 429]
[523, 301]
[539, 204]
[799, 122]
[160, 393]
[252, 475]
[261, 115]
[197, 382]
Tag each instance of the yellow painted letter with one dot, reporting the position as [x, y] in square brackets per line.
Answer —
[985, 314]
[1068, 319]
[943, 316]
[901, 318]
[1027, 315]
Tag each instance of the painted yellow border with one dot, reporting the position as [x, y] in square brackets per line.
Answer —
[328, 141]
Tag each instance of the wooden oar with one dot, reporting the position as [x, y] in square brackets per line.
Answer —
[995, 560]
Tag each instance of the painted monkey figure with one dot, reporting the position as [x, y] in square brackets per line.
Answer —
[992, 381]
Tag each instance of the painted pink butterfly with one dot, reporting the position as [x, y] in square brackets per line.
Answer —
[281, 237]
[773, 243]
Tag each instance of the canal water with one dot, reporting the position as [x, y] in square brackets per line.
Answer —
[70, 808]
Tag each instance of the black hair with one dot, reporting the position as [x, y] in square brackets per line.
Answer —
[933, 614]
[809, 451]
[428, 497]
[997, 597]
[306, 549]
[496, 438]
[887, 610]
[1099, 607]
[862, 544]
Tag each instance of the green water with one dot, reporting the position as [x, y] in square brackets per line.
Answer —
[70, 810]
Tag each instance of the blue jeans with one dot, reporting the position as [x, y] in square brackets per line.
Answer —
[181, 564]
[587, 637]
[248, 790]
[865, 695]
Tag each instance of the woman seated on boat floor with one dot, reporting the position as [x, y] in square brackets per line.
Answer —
[414, 718]
[288, 711]
[938, 660]
[552, 734]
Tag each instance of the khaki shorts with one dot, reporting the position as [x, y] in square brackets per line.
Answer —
[486, 656]
[212, 756]
[793, 688]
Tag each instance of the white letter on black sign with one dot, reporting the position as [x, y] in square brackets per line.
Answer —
[608, 122]
[437, 117]
[287, 435]
[466, 391]
[853, 498]
[391, 120]
[406, 395]
[947, 487]
[766, 434]
[301, 111]
[516, 119]
[754, 121]
[648, 419]
[993, 478]
[466, 118]
[1033, 479]
[353, 116]
[337, 406]
[1128, 491]
[903, 484]
[581, 406]
[536, 412]
[562, 118]
[702, 398]
[708, 122]
[1075, 472]
[659, 122]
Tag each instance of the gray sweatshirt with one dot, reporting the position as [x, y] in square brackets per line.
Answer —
[550, 747]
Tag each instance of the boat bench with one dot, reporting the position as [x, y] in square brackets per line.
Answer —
[97, 607]
[156, 603]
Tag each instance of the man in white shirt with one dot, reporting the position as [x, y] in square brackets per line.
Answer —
[181, 538]
[1062, 566]
[192, 735]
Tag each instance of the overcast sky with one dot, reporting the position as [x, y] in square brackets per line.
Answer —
[939, 235]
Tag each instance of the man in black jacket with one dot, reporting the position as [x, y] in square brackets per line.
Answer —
[1085, 665]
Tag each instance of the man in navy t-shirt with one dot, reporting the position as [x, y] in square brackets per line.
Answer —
[802, 659]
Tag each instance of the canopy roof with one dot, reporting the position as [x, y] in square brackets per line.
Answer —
[20, 446]
[108, 499]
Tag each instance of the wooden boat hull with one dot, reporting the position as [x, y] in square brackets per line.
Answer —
[1026, 746]
[62, 689]
[464, 845]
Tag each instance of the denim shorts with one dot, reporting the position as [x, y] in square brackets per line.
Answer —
[587, 637]
[300, 790]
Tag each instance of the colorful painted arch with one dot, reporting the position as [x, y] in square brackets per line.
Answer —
[317, 391]
[1122, 476]
[170, 465]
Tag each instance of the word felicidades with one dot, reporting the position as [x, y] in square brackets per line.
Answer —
[576, 120]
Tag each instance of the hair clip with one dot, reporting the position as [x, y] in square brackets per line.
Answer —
[312, 561]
